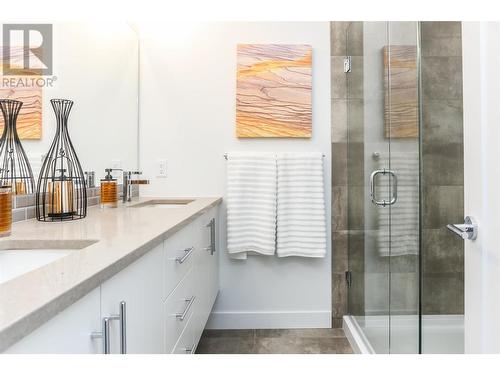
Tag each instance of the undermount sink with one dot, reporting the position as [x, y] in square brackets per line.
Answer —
[164, 203]
[18, 257]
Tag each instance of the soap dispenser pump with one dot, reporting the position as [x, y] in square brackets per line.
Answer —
[109, 190]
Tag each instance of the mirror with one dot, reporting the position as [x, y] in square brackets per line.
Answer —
[97, 66]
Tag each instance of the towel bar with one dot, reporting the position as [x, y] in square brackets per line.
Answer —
[225, 155]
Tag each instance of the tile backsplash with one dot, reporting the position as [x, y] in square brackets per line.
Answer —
[23, 206]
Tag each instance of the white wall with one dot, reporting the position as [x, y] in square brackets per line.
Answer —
[481, 59]
[96, 65]
[187, 107]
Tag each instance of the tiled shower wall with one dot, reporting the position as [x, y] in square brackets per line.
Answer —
[347, 219]
[442, 165]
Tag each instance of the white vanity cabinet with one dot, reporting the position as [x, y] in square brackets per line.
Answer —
[139, 288]
[68, 332]
[158, 304]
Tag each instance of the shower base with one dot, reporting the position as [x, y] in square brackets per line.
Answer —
[441, 334]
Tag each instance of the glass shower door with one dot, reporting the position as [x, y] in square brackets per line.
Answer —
[383, 183]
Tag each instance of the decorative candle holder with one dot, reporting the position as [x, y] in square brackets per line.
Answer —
[15, 169]
[5, 210]
[61, 192]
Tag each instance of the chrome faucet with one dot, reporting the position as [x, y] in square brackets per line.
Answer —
[128, 182]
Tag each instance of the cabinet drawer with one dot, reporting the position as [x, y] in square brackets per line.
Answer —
[186, 342]
[179, 253]
[179, 307]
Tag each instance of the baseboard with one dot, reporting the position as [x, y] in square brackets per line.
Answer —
[269, 319]
[356, 337]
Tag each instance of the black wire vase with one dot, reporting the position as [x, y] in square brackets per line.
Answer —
[15, 169]
[61, 191]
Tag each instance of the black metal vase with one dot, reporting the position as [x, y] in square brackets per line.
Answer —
[15, 169]
[61, 192]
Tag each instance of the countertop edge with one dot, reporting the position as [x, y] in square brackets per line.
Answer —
[30, 322]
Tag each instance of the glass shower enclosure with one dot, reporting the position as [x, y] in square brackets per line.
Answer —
[386, 191]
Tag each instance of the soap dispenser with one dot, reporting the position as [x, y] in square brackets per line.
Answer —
[109, 190]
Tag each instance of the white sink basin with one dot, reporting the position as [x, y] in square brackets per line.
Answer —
[18, 257]
[164, 203]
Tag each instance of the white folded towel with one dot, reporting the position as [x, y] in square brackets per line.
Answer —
[301, 226]
[251, 203]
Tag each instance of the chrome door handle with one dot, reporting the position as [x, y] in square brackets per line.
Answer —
[373, 192]
[211, 247]
[187, 252]
[467, 231]
[183, 314]
[189, 350]
[104, 334]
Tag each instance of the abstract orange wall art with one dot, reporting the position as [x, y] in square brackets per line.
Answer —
[273, 91]
[29, 121]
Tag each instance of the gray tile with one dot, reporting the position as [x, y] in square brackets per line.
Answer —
[339, 251]
[337, 323]
[356, 251]
[339, 295]
[334, 346]
[339, 120]
[439, 29]
[338, 38]
[441, 38]
[443, 293]
[288, 345]
[443, 164]
[339, 208]
[339, 78]
[339, 164]
[355, 39]
[442, 252]
[355, 164]
[354, 78]
[442, 121]
[442, 205]
[442, 77]
[30, 212]
[300, 333]
[222, 333]
[404, 297]
[355, 120]
[226, 345]
[19, 214]
[93, 201]
[356, 213]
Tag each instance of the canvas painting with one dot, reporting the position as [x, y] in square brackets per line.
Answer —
[273, 91]
[29, 121]
[401, 92]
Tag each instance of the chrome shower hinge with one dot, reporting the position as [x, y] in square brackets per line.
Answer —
[347, 64]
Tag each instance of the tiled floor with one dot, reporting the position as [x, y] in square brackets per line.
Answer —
[274, 341]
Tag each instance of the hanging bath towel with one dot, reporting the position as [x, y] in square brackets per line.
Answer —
[251, 204]
[301, 226]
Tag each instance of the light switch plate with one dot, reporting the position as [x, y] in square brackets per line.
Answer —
[116, 164]
[162, 168]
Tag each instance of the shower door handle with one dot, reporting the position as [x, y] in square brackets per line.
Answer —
[467, 231]
[373, 192]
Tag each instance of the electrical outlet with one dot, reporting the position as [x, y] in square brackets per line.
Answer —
[116, 164]
[162, 168]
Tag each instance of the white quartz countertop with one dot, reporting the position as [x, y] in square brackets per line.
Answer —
[124, 234]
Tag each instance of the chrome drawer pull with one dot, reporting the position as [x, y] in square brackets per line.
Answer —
[189, 350]
[187, 253]
[183, 314]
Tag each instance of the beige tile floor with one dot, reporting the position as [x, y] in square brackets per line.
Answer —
[274, 341]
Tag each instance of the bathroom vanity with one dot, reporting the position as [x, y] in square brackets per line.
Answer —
[141, 278]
